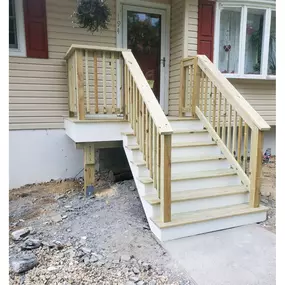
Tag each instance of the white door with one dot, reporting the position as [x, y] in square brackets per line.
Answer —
[144, 31]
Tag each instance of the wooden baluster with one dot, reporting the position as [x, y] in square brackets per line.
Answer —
[196, 88]
[158, 150]
[146, 138]
[122, 90]
[234, 133]
[104, 83]
[113, 81]
[80, 85]
[245, 146]
[96, 82]
[70, 89]
[206, 96]
[73, 84]
[130, 100]
[255, 166]
[182, 90]
[154, 141]
[187, 103]
[239, 140]
[229, 127]
[214, 107]
[142, 129]
[224, 120]
[165, 193]
[202, 92]
[219, 115]
[87, 82]
[150, 141]
[136, 110]
[126, 90]
[134, 105]
[210, 102]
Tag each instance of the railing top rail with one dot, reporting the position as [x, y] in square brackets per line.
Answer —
[148, 97]
[250, 116]
[73, 47]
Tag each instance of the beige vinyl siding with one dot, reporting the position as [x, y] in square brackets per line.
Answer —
[38, 87]
[261, 94]
[176, 52]
[187, 40]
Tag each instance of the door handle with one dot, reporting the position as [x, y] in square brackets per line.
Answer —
[163, 61]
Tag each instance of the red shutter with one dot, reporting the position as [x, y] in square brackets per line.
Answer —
[206, 12]
[36, 28]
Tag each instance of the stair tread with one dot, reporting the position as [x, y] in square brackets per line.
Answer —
[186, 159]
[207, 215]
[198, 194]
[176, 145]
[203, 174]
[194, 175]
[173, 118]
[179, 131]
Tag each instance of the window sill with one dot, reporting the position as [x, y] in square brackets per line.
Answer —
[17, 52]
[252, 76]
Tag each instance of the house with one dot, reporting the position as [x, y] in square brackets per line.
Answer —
[69, 86]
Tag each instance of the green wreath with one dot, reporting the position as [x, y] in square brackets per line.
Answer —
[93, 15]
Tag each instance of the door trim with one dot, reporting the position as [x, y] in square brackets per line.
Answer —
[164, 8]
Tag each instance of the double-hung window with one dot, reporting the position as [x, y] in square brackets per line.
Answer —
[17, 45]
[245, 39]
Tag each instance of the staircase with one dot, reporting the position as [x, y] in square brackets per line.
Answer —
[196, 173]
[206, 192]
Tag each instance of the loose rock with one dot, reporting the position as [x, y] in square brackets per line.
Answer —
[31, 244]
[125, 257]
[24, 263]
[20, 234]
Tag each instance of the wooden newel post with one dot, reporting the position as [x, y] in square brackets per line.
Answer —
[196, 87]
[255, 166]
[165, 189]
[182, 89]
[80, 84]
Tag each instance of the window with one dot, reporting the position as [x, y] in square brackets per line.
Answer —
[17, 46]
[245, 41]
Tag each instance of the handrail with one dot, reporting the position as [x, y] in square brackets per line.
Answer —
[150, 100]
[74, 47]
[250, 116]
[231, 121]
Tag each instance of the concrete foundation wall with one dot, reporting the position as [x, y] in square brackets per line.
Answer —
[41, 155]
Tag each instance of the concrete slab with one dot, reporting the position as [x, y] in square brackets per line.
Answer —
[239, 256]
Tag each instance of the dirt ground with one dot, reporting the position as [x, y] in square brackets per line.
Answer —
[105, 240]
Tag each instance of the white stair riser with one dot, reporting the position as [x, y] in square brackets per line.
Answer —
[191, 137]
[207, 226]
[188, 167]
[195, 151]
[203, 204]
[142, 171]
[186, 125]
[131, 140]
[203, 183]
[134, 154]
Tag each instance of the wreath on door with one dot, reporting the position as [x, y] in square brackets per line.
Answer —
[93, 15]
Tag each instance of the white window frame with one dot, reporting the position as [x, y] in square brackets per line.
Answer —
[21, 50]
[268, 7]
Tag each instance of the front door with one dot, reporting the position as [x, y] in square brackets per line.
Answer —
[144, 32]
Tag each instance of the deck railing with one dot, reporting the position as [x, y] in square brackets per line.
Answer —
[93, 90]
[228, 117]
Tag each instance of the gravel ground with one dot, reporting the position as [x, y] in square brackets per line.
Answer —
[268, 193]
[101, 240]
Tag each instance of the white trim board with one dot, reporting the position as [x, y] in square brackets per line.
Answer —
[158, 8]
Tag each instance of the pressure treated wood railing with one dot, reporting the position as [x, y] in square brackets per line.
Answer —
[92, 81]
[152, 130]
[232, 122]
